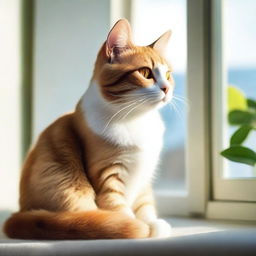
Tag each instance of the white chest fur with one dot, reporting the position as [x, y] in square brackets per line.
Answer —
[145, 132]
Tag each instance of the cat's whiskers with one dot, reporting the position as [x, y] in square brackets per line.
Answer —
[131, 110]
[173, 105]
[134, 108]
[137, 97]
[119, 102]
[131, 95]
[131, 103]
[181, 99]
[142, 93]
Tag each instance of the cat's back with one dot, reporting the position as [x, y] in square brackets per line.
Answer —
[59, 144]
[58, 134]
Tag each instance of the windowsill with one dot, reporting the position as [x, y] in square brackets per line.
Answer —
[190, 237]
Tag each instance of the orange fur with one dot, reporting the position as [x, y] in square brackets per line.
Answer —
[73, 181]
[40, 224]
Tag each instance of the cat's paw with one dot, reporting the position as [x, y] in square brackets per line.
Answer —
[160, 228]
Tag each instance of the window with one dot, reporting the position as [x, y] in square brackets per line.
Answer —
[53, 76]
[171, 176]
[212, 47]
[181, 186]
[240, 63]
[237, 67]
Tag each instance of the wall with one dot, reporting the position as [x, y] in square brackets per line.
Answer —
[10, 104]
[68, 35]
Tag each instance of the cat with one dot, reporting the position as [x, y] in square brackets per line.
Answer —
[89, 174]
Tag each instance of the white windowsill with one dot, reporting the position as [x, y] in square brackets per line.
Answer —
[189, 235]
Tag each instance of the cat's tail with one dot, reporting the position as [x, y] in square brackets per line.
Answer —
[98, 224]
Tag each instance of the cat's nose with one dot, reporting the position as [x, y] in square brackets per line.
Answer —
[165, 88]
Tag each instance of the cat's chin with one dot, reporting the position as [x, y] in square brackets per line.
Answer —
[164, 101]
[167, 98]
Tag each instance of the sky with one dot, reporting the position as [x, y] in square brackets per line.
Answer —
[240, 33]
[152, 18]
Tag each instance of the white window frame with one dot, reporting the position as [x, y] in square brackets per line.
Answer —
[204, 79]
[198, 199]
[241, 189]
[231, 197]
[193, 200]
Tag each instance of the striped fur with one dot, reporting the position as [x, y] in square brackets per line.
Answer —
[89, 174]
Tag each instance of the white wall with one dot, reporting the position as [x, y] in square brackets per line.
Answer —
[68, 35]
[10, 84]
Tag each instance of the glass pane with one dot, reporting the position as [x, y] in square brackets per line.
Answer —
[240, 42]
[158, 17]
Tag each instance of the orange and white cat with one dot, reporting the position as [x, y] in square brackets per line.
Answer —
[89, 174]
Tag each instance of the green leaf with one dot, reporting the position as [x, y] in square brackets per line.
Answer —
[240, 135]
[239, 117]
[240, 154]
[251, 103]
[236, 99]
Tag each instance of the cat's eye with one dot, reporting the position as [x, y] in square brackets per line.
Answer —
[146, 72]
[168, 75]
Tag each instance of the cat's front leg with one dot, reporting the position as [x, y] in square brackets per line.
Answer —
[144, 209]
[110, 192]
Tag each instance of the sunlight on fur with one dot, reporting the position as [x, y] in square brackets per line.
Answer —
[89, 174]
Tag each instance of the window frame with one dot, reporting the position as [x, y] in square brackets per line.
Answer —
[193, 200]
[204, 77]
[230, 196]
[203, 45]
[238, 189]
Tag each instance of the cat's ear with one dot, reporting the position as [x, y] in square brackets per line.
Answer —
[119, 39]
[161, 44]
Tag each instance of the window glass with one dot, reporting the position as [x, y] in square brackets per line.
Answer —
[151, 19]
[240, 59]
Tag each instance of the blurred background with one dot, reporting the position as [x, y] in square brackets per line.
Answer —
[240, 58]
[48, 49]
[48, 53]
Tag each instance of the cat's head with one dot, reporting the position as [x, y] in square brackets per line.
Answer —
[129, 74]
